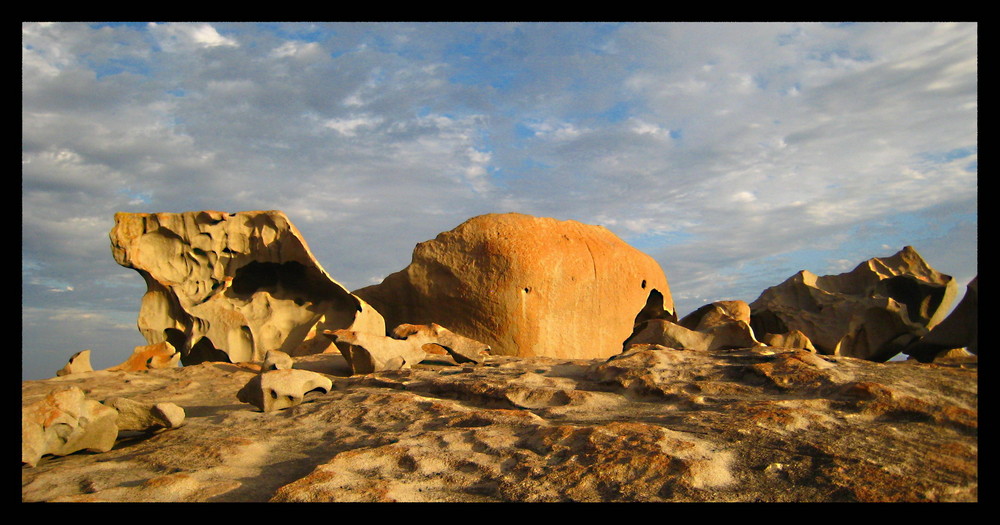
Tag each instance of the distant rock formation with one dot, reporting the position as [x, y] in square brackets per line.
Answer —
[231, 286]
[872, 312]
[527, 286]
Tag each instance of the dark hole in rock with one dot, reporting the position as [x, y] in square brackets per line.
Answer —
[203, 351]
[176, 338]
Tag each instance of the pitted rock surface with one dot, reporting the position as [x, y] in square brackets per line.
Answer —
[231, 286]
[527, 286]
[649, 424]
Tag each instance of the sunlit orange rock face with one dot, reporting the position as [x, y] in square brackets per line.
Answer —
[527, 286]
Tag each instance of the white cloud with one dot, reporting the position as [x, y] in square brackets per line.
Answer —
[350, 126]
[178, 37]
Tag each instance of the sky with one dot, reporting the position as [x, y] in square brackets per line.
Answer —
[735, 154]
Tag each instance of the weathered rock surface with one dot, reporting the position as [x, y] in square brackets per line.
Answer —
[274, 390]
[527, 286]
[277, 360]
[722, 335]
[461, 349]
[715, 314]
[872, 312]
[649, 424]
[78, 362]
[959, 330]
[146, 417]
[64, 422]
[791, 339]
[231, 286]
[367, 353]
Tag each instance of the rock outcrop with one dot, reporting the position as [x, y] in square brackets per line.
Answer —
[78, 362]
[959, 330]
[872, 312]
[717, 325]
[157, 355]
[651, 424]
[231, 286]
[145, 417]
[64, 422]
[734, 334]
[277, 360]
[527, 286]
[461, 349]
[409, 345]
[367, 353]
[715, 314]
[791, 339]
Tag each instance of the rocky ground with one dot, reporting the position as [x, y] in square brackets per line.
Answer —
[652, 424]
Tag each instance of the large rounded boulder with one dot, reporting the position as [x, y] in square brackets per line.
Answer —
[527, 286]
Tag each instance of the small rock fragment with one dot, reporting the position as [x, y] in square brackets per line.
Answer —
[136, 415]
[461, 348]
[366, 353]
[159, 355]
[789, 339]
[79, 362]
[734, 334]
[715, 314]
[279, 389]
[277, 360]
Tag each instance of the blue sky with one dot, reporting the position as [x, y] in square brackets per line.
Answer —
[735, 154]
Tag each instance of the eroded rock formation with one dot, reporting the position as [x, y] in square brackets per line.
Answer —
[872, 312]
[157, 355]
[790, 339]
[231, 286]
[959, 330]
[527, 286]
[367, 353]
[462, 349]
[733, 334]
[146, 417]
[78, 362]
[64, 422]
[273, 390]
